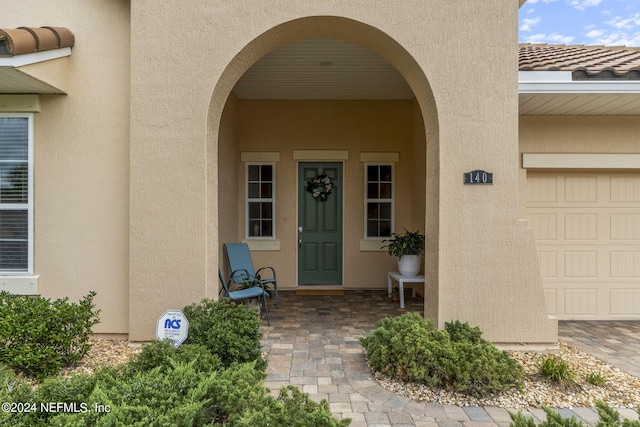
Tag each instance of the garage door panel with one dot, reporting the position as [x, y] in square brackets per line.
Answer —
[587, 230]
[625, 264]
[625, 226]
[581, 302]
[625, 188]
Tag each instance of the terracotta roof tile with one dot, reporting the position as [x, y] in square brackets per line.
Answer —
[592, 61]
[23, 40]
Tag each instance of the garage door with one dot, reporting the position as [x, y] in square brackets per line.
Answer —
[587, 230]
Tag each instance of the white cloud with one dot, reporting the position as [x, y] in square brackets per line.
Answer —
[583, 4]
[594, 33]
[527, 24]
[553, 38]
[625, 23]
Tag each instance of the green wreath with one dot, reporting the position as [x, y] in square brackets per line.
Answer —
[320, 187]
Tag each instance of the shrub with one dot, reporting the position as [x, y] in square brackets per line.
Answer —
[227, 330]
[554, 419]
[291, 408]
[410, 348]
[165, 386]
[39, 336]
[557, 370]
[608, 418]
[162, 353]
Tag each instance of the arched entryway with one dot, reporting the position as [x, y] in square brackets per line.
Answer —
[263, 138]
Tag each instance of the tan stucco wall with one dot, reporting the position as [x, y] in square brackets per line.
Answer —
[81, 159]
[485, 256]
[229, 169]
[579, 134]
[185, 60]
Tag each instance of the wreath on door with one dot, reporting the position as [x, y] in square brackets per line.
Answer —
[320, 187]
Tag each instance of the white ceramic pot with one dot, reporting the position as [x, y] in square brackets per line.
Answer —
[409, 265]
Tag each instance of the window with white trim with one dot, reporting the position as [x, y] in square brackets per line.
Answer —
[261, 201]
[379, 206]
[16, 193]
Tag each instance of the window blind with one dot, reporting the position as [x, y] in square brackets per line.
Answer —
[14, 194]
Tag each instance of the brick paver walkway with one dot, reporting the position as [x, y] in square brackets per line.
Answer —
[313, 344]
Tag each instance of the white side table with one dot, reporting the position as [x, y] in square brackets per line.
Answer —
[394, 275]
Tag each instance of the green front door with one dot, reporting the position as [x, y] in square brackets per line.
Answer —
[320, 227]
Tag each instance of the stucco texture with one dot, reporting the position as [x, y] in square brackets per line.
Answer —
[134, 165]
[476, 240]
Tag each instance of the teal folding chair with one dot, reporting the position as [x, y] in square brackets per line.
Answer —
[246, 294]
[242, 269]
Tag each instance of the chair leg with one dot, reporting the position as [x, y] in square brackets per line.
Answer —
[266, 309]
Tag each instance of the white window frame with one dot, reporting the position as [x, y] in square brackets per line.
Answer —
[30, 198]
[272, 199]
[367, 200]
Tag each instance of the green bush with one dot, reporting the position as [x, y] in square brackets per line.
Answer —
[410, 348]
[557, 370]
[554, 419]
[611, 418]
[176, 394]
[608, 418]
[292, 408]
[227, 330]
[39, 336]
[165, 386]
[162, 353]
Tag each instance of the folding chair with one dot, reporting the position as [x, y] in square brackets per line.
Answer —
[241, 265]
[246, 294]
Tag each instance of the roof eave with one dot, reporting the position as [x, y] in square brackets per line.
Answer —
[561, 82]
[39, 72]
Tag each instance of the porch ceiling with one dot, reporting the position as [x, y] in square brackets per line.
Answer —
[322, 69]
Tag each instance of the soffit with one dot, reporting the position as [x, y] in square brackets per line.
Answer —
[28, 58]
[579, 80]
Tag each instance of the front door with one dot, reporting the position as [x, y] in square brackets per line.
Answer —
[320, 226]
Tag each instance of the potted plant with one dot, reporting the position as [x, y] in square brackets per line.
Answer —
[407, 247]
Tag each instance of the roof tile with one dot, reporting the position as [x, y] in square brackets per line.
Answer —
[23, 40]
[592, 60]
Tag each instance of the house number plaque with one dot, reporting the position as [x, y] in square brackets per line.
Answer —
[478, 177]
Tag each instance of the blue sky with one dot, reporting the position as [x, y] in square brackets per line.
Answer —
[588, 22]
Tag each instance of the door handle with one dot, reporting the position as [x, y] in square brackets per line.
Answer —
[299, 237]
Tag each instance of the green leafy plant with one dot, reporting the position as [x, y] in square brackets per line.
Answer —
[596, 378]
[409, 347]
[554, 419]
[163, 354]
[608, 418]
[611, 418]
[407, 243]
[39, 336]
[557, 370]
[166, 386]
[227, 330]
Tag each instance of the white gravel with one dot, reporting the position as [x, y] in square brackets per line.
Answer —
[621, 389]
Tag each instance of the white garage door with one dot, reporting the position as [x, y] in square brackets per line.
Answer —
[587, 229]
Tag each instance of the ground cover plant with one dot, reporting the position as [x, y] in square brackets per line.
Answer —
[197, 384]
[557, 370]
[409, 347]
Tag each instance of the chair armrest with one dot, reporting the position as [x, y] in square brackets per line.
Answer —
[273, 271]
